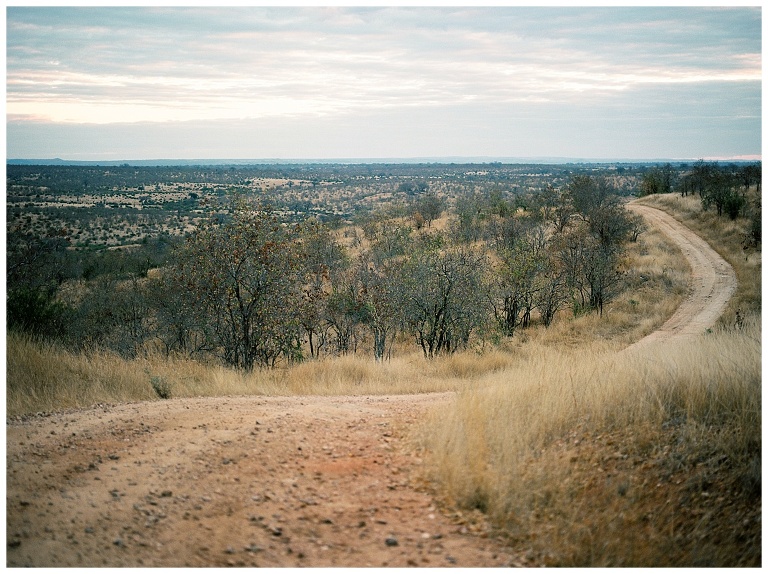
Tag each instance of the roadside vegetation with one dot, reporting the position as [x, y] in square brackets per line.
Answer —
[651, 458]
[519, 302]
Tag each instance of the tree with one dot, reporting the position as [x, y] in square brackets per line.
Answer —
[550, 291]
[657, 180]
[443, 297]
[244, 275]
[390, 239]
[700, 175]
[466, 228]
[413, 187]
[179, 326]
[35, 269]
[591, 269]
[325, 263]
[514, 288]
[756, 223]
[719, 190]
[429, 207]
[588, 194]
[343, 313]
[380, 293]
[547, 201]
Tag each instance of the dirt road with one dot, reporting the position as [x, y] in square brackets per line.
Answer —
[296, 481]
[299, 481]
[713, 281]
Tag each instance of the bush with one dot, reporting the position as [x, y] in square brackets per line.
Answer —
[161, 386]
[34, 311]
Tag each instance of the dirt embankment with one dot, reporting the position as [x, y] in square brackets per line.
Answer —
[295, 481]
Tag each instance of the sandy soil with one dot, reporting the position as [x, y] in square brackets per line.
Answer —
[713, 281]
[256, 481]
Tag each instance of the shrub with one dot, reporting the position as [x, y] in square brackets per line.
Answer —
[161, 386]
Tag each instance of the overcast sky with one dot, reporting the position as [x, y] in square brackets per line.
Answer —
[392, 82]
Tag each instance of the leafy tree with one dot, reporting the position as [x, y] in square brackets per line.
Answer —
[514, 288]
[652, 182]
[326, 263]
[112, 313]
[752, 173]
[244, 274]
[700, 175]
[391, 239]
[179, 326]
[380, 292]
[443, 297]
[550, 290]
[756, 223]
[413, 187]
[718, 191]
[35, 268]
[588, 194]
[546, 202]
[344, 312]
[430, 207]
[591, 269]
[469, 213]
[35, 311]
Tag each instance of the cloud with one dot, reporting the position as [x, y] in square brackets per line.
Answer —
[171, 65]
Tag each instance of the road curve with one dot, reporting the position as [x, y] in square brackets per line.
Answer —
[713, 280]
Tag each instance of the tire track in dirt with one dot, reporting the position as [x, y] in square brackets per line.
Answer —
[263, 481]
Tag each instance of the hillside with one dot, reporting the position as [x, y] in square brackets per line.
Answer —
[372, 480]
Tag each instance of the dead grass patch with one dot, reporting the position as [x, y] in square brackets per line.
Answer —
[629, 459]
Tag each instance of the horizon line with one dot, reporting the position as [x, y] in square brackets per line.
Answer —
[393, 159]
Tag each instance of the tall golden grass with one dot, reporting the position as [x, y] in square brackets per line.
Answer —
[44, 377]
[500, 446]
[579, 452]
[591, 457]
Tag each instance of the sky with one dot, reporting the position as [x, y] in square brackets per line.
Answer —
[308, 82]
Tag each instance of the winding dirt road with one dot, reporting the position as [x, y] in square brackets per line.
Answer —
[713, 280]
[287, 481]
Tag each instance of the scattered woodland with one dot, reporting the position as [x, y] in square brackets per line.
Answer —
[512, 285]
[261, 266]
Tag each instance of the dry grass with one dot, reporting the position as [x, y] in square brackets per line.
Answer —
[593, 459]
[42, 377]
[656, 278]
[588, 457]
[580, 454]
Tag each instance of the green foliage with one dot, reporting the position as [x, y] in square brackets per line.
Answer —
[657, 180]
[429, 207]
[444, 299]
[35, 311]
[756, 225]
[161, 386]
[252, 285]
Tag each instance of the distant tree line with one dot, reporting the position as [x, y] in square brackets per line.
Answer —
[250, 290]
[722, 187]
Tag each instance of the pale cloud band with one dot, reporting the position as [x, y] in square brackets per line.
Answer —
[109, 65]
